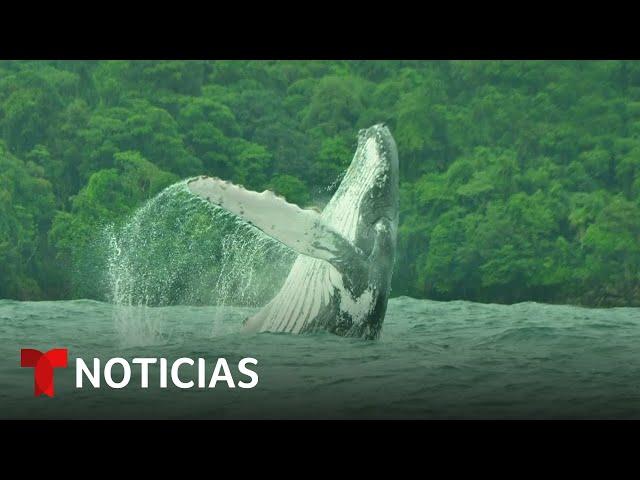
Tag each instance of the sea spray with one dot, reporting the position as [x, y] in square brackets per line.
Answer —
[179, 249]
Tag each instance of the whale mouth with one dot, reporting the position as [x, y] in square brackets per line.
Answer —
[380, 131]
[384, 144]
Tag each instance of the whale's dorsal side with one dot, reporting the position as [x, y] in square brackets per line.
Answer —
[302, 230]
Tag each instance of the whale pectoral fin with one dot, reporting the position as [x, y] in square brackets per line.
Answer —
[302, 230]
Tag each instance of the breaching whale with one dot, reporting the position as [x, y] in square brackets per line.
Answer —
[341, 279]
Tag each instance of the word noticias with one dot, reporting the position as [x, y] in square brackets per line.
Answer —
[117, 372]
[221, 372]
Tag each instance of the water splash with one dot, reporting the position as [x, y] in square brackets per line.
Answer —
[321, 194]
[179, 249]
[333, 186]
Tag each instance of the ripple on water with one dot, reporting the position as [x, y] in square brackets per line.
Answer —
[436, 360]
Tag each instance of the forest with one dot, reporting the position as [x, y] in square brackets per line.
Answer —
[520, 180]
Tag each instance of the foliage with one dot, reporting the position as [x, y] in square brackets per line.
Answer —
[519, 180]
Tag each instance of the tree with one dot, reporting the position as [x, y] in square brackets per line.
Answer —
[26, 208]
[291, 188]
[520, 180]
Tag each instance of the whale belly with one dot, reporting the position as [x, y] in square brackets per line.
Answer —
[312, 298]
[306, 292]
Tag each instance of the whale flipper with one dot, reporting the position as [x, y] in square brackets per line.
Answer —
[302, 230]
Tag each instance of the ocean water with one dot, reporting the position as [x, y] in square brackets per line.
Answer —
[436, 360]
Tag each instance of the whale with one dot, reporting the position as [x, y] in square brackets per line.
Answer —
[340, 280]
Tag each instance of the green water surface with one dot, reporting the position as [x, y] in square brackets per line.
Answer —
[435, 360]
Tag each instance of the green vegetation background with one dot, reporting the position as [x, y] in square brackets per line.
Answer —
[519, 180]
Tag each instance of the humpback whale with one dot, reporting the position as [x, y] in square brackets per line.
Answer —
[341, 278]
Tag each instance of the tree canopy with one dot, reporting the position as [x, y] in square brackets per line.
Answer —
[520, 180]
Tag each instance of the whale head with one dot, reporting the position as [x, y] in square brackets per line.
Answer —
[377, 157]
[368, 193]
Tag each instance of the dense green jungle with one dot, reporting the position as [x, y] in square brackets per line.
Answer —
[520, 180]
